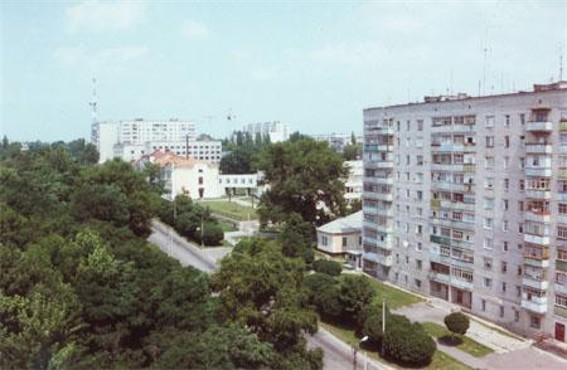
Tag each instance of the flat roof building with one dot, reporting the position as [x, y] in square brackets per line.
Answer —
[465, 199]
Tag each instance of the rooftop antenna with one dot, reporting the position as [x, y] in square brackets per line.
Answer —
[93, 103]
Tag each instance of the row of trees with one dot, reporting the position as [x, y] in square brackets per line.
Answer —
[349, 301]
[81, 288]
[191, 220]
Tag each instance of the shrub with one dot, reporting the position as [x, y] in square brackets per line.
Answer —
[457, 322]
[328, 267]
[407, 343]
[212, 234]
[355, 293]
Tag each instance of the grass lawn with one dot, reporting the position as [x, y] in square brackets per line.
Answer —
[441, 361]
[226, 226]
[495, 328]
[469, 346]
[231, 210]
[395, 298]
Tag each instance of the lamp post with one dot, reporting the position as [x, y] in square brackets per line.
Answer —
[383, 326]
[364, 339]
[202, 232]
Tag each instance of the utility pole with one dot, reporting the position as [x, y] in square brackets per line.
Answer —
[202, 232]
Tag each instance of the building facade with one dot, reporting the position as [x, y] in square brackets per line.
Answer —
[337, 142]
[111, 136]
[353, 184]
[465, 199]
[341, 235]
[276, 130]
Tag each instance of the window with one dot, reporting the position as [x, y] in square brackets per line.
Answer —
[324, 240]
[518, 290]
[506, 141]
[516, 316]
[418, 246]
[505, 204]
[418, 264]
[487, 261]
[520, 206]
[563, 208]
[506, 184]
[507, 120]
[419, 160]
[488, 243]
[489, 162]
[522, 118]
[561, 300]
[489, 121]
[419, 125]
[200, 181]
[506, 163]
[522, 185]
[503, 266]
[561, 232]
[418, 283]
[344, 241]
[505, 225]
[483, 305]
[488, 223]
[487, 282]
[489, 140]
[488, 203]
[505, 246]
[501, 311]
[489, 183]
[503, 287]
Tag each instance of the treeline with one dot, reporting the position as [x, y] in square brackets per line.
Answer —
[81, 288]
[191, 220]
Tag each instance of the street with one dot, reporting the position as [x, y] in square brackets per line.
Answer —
[338, 355]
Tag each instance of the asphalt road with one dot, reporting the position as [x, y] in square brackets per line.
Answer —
[338, 355]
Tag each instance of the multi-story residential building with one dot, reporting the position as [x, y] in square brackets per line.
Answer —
[276, 130]
[337, 142]
[353, 184]
[465, 199]
[130, 140]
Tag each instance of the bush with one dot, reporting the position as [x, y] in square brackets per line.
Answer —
[328, 267]
[355, 293]
[212, 234]
[324, 295]
[407, 343]
[457, 322]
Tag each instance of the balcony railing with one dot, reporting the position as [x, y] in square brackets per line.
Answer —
[539, 126]
[537, 239]
[538, 193]
[535, 304]
[536, 148]
[533, 282]
[560, 311]
[538, 215]
[540, 171]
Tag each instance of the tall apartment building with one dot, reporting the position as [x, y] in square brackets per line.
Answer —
[130, 140]
[276, 130]
[337, 142]
[465, 199]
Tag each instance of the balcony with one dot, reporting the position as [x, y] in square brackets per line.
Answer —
[462, 284]
[562, 219]
[535, 261]
[563, 125]
[539, 126]
[536, 215]
[561, 265]
[562, 196]
[447, 186]
[389, 197]
[560, 288]
[439, 258]
[379, 259]
[562, 174]
[535, 304]
[535, 148]
[447, 147]
[439, 277]
[439, 240]
[533, 282]
[442, 167]
[560, 311]
[469, 168]
[538, 193]
[379, 180]
[539, 171]
[537, 239]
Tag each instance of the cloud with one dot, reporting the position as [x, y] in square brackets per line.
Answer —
[264, 74]
[194, 30]
[105, 16]
[116, 56]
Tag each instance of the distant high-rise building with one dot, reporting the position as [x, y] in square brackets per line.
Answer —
[465, 199]
[130, 140]
[276, 130]
[337, 142]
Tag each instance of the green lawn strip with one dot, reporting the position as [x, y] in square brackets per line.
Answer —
[231, 210]
[469, 345]
[440, 360]
[395, 298]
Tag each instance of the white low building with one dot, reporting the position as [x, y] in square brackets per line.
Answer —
[341, 235]
[195, 178]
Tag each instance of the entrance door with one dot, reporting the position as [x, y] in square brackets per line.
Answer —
[560, 332]
[459, 297]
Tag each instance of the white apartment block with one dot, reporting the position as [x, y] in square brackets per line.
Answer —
[353, 184]
[130, 140]
[465, 199]
[276, 130]
[337, 142]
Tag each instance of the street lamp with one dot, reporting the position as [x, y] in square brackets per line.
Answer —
[364, 339]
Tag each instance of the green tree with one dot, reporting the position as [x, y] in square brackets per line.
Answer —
[355, 293]
[296, 238]
[407, 343]
[457, 323]
[260, 288]
[306, 178]
[328, 267]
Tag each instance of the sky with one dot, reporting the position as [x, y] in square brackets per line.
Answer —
[314, 65]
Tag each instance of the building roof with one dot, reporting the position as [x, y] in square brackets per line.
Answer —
[345, 225]
[166, 158]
